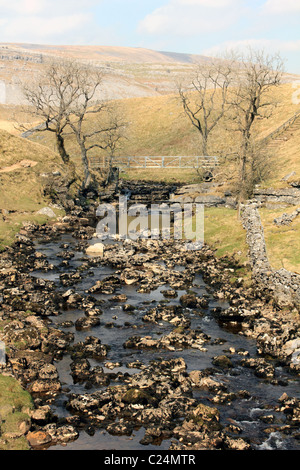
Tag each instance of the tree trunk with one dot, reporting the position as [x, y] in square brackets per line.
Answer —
[61, 149]
[204, 145]
[243, 193]
[87, 175]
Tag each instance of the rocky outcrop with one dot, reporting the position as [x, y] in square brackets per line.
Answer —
[287, 219]
[289, 196]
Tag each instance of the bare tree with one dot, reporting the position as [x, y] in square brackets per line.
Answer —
[104, 131]
[204, 98]
[256, 75]
[51, 97]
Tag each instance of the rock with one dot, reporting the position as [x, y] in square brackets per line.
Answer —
[47, 387]
[237, 444]
[96, 250]
[136, 396]
[61, 434]
[38, 438]
[85, 323]
[223, 362]
[90, 348]
[47, 211]
[49, 372]
[188, 300]
[41, 415]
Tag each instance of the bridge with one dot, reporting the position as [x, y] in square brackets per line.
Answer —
[155, 162]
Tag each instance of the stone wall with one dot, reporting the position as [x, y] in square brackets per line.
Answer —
[283, 285]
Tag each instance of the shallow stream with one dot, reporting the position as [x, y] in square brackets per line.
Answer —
[117, 326]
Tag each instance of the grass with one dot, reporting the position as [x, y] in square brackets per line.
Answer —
[15, 404]
[283, 242]
[158, 126]
[14, 222]
[224, 231]
[22, 189]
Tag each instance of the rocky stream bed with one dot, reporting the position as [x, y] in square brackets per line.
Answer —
[148, 347]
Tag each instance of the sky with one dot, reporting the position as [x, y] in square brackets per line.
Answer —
[207, 27]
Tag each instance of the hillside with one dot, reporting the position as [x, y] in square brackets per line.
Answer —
[21, 165]
[101, 53]
[129, 72]
[158, 126]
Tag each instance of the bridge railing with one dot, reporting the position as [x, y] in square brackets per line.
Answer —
[207, 162]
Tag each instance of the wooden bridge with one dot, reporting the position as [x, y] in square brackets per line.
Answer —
[155, 162]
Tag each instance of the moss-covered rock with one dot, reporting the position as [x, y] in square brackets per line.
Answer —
[135, 396]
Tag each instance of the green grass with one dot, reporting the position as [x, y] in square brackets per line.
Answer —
[224, 231]
[283, 242]
[15, 404]
[14, 222]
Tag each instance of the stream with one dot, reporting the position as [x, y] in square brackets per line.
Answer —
[116, 326]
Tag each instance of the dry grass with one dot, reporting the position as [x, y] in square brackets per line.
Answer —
[22, 189]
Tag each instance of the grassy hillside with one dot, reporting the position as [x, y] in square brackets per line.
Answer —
[21, 194]
[158, 126]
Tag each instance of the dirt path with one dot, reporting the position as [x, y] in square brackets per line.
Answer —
[17, 166]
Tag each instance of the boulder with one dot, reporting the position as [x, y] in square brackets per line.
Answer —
[38, 438]
[96, 250]
[47, 211]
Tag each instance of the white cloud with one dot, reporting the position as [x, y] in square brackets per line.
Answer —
[189, 17]
[279, 7]
[44, 20]
[40, 29]
[268, 45]
[207, 3]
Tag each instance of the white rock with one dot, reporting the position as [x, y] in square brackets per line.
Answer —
[47, 211]
[97, 249]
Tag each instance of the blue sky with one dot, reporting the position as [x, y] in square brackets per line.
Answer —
[191, 26]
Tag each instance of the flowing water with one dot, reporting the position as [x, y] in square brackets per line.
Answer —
[245, 413]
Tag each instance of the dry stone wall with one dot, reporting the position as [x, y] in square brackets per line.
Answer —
[284, 285]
